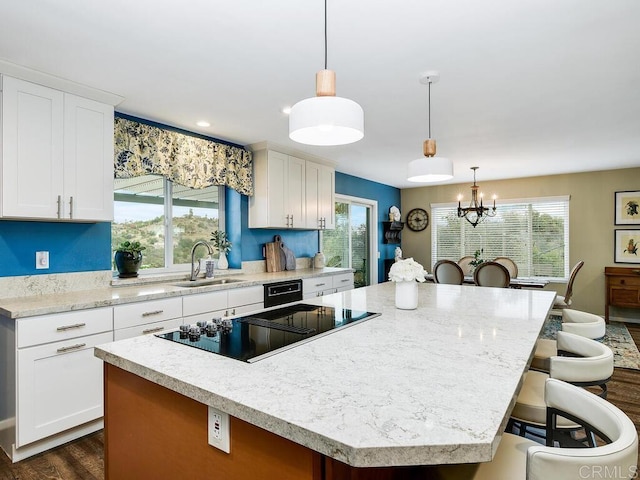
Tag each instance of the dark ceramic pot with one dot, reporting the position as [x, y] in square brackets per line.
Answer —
[128, 263]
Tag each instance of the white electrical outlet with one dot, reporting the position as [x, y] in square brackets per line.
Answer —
[219, 429]
[42, 260]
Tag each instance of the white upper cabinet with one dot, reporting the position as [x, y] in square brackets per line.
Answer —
[57, 154]
[291, 192]
[88, 159]
[320, 196]
[279, 191]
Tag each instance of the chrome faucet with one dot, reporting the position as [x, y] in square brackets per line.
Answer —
[196, 270]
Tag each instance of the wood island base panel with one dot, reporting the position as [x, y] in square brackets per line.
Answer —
[154, 432]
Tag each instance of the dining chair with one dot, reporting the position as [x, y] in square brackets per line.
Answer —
[491, 274]
[580, 323]
[564, 301]
[509, 265]
[465, 264]
[519, 458]
[446, 271]
[581, 361]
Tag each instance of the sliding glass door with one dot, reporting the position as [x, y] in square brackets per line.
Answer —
[352, 243]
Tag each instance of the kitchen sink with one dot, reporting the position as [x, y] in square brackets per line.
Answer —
[207, 282]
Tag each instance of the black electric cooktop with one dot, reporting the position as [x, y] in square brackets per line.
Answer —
[257, 336]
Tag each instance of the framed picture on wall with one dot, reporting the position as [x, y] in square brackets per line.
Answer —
[627, 208]
[627, 246]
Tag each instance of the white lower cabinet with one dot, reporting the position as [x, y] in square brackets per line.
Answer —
[225, 303]
[57, 381]
[59, 387]
[142, 318]
[326, 285]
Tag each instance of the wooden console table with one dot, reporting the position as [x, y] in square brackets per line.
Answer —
[622, 288]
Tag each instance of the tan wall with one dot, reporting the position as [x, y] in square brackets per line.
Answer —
[591, 221]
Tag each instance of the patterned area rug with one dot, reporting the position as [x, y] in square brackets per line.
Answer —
[617, 337]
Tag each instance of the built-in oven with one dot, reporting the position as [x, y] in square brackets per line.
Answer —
[279, 293]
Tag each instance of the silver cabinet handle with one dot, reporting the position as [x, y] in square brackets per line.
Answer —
[59, 205]
[152, 330]
[155, 312]
[345, 280]
[72, 347]
[291, 221]
[71, 207]
[69, 327]
[320, 284]
[288, 220]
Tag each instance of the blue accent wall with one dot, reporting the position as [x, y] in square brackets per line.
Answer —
[385, 195]
[72, 247]
[303, 243]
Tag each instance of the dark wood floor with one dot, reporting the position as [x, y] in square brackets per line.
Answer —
[83, 459]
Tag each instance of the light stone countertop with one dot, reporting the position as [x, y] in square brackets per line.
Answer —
[29, 306]
[409, 387]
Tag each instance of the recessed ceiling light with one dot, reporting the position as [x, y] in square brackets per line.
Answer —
[202, 123]
[286, 110]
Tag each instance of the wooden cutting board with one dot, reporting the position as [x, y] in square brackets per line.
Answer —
[275, 255]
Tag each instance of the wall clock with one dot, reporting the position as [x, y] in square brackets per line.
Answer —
[417, 219]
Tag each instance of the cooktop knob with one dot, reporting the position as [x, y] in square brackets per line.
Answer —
[194, 333]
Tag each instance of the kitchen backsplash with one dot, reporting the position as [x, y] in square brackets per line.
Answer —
[28, 285]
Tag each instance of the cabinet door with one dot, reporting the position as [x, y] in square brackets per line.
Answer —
[32, 154]
[326, 197]
[59, 387]
[319, 196]
[312, 195]
[295, 191]
[277, 171]
[88, 159]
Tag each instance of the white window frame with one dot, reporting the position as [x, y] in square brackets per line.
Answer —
[506, 202]
[170, 267]
[373, 238]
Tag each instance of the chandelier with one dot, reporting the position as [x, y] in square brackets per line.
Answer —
[475, 212]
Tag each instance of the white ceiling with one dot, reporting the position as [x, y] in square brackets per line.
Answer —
[528, 87]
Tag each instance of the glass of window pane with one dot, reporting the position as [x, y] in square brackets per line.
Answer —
[139, 216]
[195, 215]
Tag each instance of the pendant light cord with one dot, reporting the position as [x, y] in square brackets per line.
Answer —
[428, 106]
[325, 34]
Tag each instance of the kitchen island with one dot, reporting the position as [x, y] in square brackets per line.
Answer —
[421, 387]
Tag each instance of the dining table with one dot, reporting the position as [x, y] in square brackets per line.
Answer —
[513, 283]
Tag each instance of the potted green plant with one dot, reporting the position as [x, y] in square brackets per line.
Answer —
[477, 258]
[128, 258]
[223, 245]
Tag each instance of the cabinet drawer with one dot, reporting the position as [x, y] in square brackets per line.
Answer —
[624, 297]
[316, 284]
[204, 317]
[149, 328]
[204, 302]
[625, 281]
[244, 309]
[63, 326]
[246, 296]
[146, 312]
[343, 280]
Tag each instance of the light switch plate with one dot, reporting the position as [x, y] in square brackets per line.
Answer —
[218, 432]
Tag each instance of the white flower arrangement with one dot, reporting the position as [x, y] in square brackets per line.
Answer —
[407, 270]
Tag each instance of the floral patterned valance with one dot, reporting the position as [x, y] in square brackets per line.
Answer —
[193, 162]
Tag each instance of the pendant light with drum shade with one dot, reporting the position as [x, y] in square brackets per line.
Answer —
[326, 119]
[430, 168]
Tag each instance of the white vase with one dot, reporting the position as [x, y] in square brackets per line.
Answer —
[222, 261]
[407, 295]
